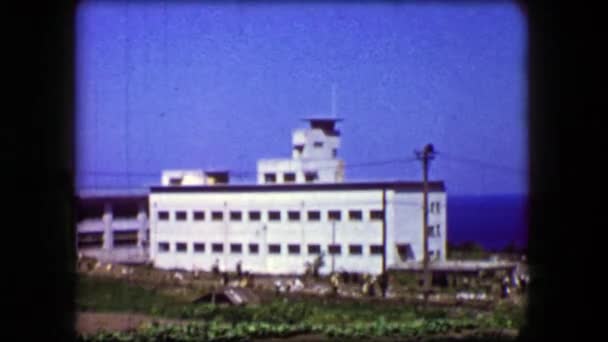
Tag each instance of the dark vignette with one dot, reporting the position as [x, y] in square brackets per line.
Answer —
[46, 308]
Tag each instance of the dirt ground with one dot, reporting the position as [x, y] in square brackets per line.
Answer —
[91, 322]
[176, 282]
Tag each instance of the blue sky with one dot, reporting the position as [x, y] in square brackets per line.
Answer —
[212, 85]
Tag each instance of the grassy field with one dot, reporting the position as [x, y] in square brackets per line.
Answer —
[282, 317]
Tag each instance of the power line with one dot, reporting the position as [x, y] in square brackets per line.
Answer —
[237, 174]
[481, 163]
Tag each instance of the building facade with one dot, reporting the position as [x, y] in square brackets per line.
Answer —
[277, 229]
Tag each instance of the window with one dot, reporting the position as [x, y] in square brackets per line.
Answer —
[274, 215]
[293, 249]
[90, 240]
[293, 215]
[125, 238]
[289, 177]
[217, 248]
[199, 247]
[236, 248]
[235, 216]
[376, 214]
[180, 215]
[125, 210]
[298, 149]
[437, 207]
[274, 249]
[405, 252]
[270, 178]
[334, 153]
[318, 144]
[437, 230]
[217, 215]
[163, 246]
[175, 181]
[199, 215]
[181, 247]
[355, 249]
[163, 215]
[314, 215]
[334, 215]
[375, 249]
[89, 210]
[254, 216]
[433, 231]
[311, 176]
[253, 248]
[334, 249]
[355, 215]
[314, 249]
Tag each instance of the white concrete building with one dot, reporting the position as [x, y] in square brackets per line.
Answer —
[300, 208]
[278, 228]
[112, 226]
[314, 157]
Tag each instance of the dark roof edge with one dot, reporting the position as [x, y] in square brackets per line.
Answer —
[435, 186]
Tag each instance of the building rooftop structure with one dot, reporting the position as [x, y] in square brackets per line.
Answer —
[314, 157]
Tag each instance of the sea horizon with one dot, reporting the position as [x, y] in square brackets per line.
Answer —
[492, 221]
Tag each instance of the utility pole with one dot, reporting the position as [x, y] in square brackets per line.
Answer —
[426, 155]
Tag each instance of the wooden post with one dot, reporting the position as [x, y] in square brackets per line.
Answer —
[426, 155]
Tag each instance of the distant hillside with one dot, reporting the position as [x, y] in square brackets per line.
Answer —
[492, 221]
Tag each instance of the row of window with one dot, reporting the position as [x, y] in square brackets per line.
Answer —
[434, 231]
[272, 215]
[435, 207]
[290, 177]
[119, 239]
[292, 249]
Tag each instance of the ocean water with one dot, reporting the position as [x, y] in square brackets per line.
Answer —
[492, 221]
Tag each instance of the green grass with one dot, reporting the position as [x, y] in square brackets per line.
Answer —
[278, 318]
[101, 294]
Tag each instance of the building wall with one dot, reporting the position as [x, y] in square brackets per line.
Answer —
[328, 170]
[316, 144]
[407, 218]
[364, 232]
[107, 225]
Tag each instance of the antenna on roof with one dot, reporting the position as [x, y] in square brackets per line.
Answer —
[333, 100]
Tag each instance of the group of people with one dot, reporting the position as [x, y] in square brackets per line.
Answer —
[368, 284]
[243, 279]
